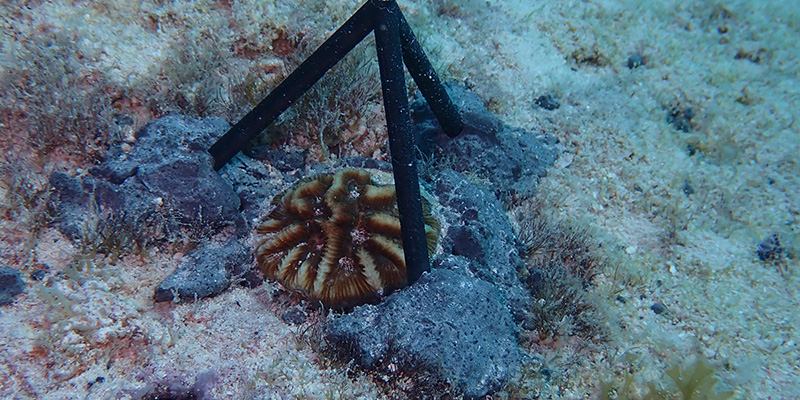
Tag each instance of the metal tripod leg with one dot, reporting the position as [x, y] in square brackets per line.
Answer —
[395, 42]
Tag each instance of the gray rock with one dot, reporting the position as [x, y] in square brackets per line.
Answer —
[204, 272]
[192, 190]
[162, 141]
[163, 186]
[480, 232]
[459, 325]
[280, 159]
[77, 201]
[511, 160]
[252, 182]
[11, 285]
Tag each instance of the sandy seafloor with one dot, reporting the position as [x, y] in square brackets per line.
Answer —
[677, 228]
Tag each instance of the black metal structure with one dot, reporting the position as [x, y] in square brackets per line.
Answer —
[396, 45]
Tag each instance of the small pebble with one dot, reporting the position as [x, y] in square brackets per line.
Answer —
[38, 275]
[691, 149]
[635, 61]
[294, 317]
[658, 308]
[681, 119]
[770, 249]
[547, 101]
[687, 188]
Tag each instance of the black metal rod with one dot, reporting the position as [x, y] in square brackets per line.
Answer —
[428, 81]
[351, 33]
[401, 147]
[395, 42]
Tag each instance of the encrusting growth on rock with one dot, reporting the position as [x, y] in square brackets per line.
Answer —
[336, 238]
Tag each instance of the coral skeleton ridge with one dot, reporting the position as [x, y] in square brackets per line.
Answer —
[335, 238]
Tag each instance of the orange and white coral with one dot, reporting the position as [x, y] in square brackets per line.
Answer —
[336, 238]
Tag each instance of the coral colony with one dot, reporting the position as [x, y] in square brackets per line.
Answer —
[337, 239]
[396, 44]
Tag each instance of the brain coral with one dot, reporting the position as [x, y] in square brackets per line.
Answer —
[335, 238]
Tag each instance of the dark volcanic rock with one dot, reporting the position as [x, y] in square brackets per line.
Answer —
[196, 193]
[163, 186]
[204, 272]
[280, 159]
[76, 201]
[162, 141]
[510, 159]
[458, 325]
[11, 285]
[480, 232]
